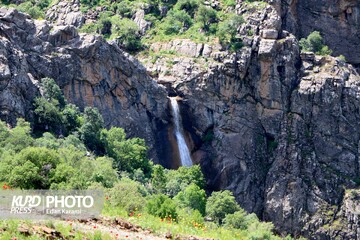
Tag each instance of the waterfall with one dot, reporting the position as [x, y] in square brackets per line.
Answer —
[183, 148]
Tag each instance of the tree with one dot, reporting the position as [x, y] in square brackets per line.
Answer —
[30, 169]
[219, 204]
[162, 206]
[19, 137]
[158, 178]
[103, 172]
[48, 116]
[51, 91]
[227, 31]
[206, 15]
[129, 154]
[71, 117]
[192, 197]
[127, 33]
[4, 133]
[314, 43]
[48, 108]
[236, 220]
[48, 140]
[126, 194]
[90, 130]
[178, 180]
[177, 21]
[190, 6]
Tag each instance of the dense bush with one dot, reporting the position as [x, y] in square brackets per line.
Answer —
[206, 16]
[126, 194]
[91, 128]
[236, 220]
[314, 43]
[129, 154]
[162, 206]
[176, 22]
[192, 197]
[178, 180]
[219, 204]
[227, 31]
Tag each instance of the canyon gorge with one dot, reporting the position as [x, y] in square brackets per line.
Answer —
[278, 127]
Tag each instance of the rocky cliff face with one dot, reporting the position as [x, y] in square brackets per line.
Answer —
[90, 71]
[338, 22]
[279, 128]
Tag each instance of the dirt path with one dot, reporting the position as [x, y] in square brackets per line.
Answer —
[117, 229]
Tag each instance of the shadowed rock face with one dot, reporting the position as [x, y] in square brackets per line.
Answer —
[337, 21]
[90, 71]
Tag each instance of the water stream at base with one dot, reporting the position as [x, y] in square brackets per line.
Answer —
[183, 148]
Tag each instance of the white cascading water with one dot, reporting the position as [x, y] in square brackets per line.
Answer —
[183, 148]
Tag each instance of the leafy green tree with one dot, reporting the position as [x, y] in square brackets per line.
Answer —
[51, 91]
[103, 172]
[48, 108]
[73, 141]
[206, 16]
[126, 194]
[192, 197]
[127, 33]
[71, 117]
[4, 133]
[227, 31]
[314, 43]
[48, 116]
[236, 220]
[61, 175]
[162, 206]
[90, 130]
[219, 204]
[129, 154]
[178, 180]
[190, 6]
[47, 140]
[177, 21]
[30, 169]
[158, 178]
[20, 137]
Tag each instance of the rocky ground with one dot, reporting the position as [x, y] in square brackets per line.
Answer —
[114, 228]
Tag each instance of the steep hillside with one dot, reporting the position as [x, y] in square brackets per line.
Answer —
[278, 127]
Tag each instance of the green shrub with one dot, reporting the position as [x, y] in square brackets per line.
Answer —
[127, 33]
[178, 180]
[227, 31]
[190, 217]
[206, 16]
[192, 197]
[314, 43]
[219, 204]
[190, 6]
[129, 154]
[30, 169]
[125, 8]
[34, 11]
[177, 21]
[236, 220]
[162, 206]
[126, 195]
